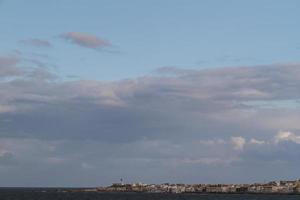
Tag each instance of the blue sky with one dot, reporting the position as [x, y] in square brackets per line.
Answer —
[189, 91]
[150, 34]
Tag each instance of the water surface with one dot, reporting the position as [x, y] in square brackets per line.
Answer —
[53, 194]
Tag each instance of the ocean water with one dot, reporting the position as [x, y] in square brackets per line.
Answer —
[27, 194]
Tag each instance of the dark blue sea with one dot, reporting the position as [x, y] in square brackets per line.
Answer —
[33, 194]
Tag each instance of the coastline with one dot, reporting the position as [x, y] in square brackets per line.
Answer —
[93, 190]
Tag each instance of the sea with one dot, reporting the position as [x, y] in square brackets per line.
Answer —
[53, 194]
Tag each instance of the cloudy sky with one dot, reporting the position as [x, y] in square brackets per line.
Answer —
[153, 91]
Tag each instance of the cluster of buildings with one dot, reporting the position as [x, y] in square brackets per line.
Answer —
[284, 187]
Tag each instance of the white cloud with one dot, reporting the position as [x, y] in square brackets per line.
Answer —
[238, 143]
[258, 142]
[283, 136]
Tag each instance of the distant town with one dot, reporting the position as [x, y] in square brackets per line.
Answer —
[274, 187]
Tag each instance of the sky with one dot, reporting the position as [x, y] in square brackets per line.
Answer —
[181, 91]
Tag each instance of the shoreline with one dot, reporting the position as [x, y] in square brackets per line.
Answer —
[84, 190]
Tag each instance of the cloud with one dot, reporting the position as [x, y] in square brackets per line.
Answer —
[192, 121]
[287, 136]
[7, 109]
[42, 74]
[15, 67]
[152, 104]
[258, 142]
[86, 40]
[8, 67]
[36, 42]
[212, 142]
[238, 143]
[6, 158]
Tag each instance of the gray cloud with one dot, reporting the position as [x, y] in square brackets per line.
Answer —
[86, 40]
[8, 67]
[209, 96]
[36, 42]
[15, 67]
[197, 124]
[6, 158]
